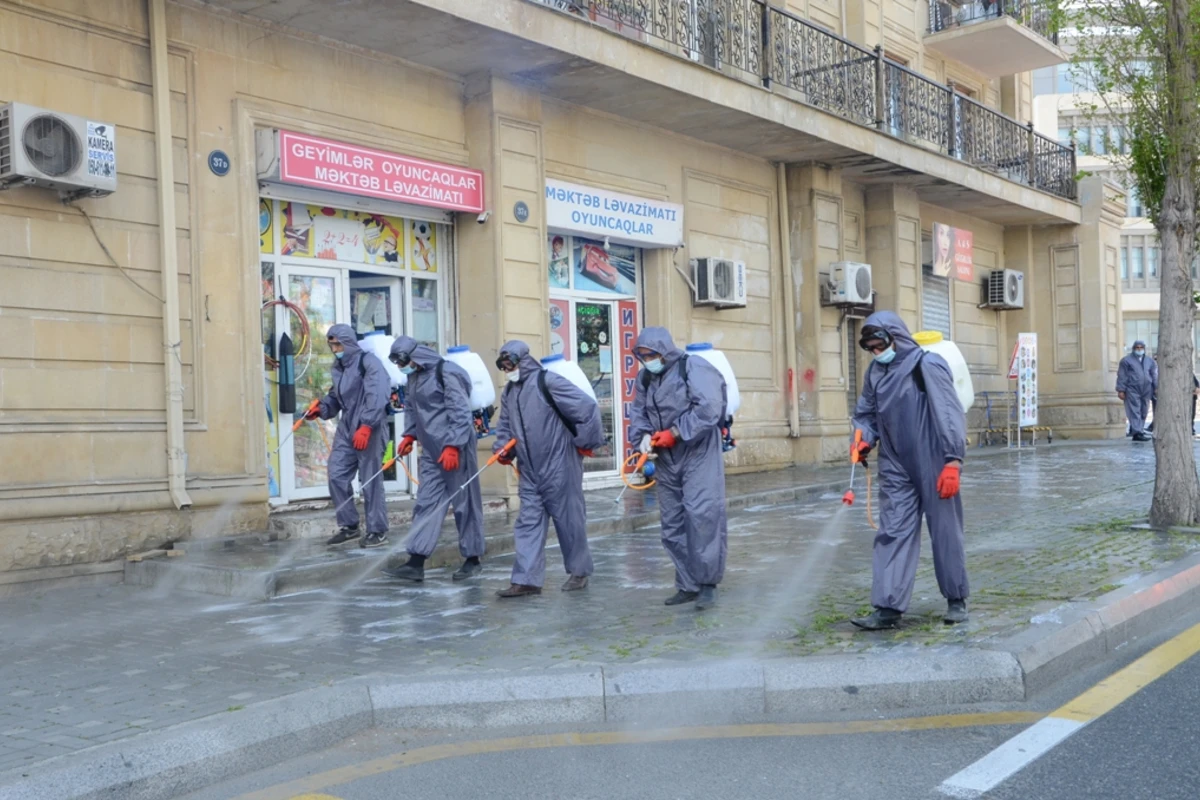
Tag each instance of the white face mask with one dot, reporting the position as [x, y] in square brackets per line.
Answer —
[1139, 353]
[513, 377]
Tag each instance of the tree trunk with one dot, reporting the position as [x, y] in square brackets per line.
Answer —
[1176, 486]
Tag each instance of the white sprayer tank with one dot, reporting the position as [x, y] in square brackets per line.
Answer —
[571, 371]
[483, 391]
[380, 344]
[733, 399]
[933, 342]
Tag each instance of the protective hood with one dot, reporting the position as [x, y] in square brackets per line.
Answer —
[421, 355]
[659, 340]
[344, 334]
[1139, 343]
[890, 321]
[527, 364]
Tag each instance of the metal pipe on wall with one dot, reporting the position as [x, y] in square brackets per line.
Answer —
[168, 256]
[789, 302]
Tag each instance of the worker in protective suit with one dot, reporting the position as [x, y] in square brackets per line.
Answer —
[438, 415]
[555, 425]
[1137, 385]
[360, 396]
[677, 412]
[910, 411]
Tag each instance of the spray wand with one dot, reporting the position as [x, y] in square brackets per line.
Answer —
[313, 406]
[856, 456]
[388, 465]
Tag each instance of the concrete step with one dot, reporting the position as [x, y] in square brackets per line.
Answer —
[284, 561]
[316, 521]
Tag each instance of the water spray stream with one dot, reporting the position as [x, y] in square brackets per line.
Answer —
[373, 561]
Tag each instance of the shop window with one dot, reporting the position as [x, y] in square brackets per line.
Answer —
[594, 289]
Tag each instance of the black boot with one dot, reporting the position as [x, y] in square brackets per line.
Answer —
[469, 568]
[414, 570]
[344, 534]
[707, 597]
[879, 620]
[681, 597]
[956, 612]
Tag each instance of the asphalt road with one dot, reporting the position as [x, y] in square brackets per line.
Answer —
[1146, 747]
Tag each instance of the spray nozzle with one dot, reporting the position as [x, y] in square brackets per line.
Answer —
[848, 497]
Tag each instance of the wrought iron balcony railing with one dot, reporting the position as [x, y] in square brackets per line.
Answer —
[1032, 15]
[779, 51]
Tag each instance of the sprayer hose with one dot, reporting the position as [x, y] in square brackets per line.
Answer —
[624, 475]
[870, 520]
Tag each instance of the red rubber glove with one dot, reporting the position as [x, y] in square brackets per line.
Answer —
[505, 458]
[858, 452]
[664, 439]
[406, 445]
[362, 437]
[584, 453]
[947, 483]
[449, 459]
[314, 409]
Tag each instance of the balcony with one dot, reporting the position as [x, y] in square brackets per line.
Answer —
[996, 38]
[756, 42]
[792, 92]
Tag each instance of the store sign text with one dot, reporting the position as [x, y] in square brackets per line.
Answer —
[325, 164]
[572, 208]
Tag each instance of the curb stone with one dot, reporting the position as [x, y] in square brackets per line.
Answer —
[164, 764]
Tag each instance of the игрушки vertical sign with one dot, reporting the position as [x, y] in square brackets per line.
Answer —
[325, 164]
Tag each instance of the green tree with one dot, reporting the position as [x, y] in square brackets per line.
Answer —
[1144, 59]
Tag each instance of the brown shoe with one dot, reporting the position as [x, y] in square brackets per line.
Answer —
[519, 590]
[575, 583]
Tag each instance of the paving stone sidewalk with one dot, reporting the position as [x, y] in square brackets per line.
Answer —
[1044, 529]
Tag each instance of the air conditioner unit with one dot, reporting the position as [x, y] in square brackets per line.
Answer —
[850, 283]
[1006, 289]
[719, 282]
[75, 156]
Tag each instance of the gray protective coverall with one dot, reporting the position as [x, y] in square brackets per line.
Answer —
[691, 475]
[439, 416]
[360, 395]
[551, 483]
[1138, 379]
[916, 434]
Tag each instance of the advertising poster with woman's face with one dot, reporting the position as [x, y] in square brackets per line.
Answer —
[953, 252]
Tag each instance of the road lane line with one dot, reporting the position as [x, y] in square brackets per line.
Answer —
[1026, 747]
[424, 755]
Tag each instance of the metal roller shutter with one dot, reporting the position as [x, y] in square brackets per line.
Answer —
[935, 303]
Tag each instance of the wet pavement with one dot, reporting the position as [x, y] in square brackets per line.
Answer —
[1044, 529]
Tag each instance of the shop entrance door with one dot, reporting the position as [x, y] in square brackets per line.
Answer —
[377, 308]
[594, 335]
[303, 458]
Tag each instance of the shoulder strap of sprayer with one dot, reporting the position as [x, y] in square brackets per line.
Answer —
[550, 402]
[918, 375]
